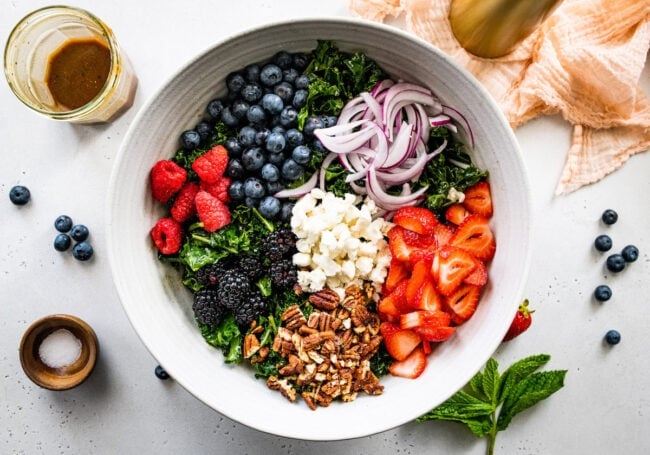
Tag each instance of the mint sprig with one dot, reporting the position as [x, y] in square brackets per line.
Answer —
[490, 400]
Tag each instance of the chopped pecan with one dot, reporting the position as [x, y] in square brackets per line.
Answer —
[251, 345]
[262, 354]
[311, 341]
[326, 299]
[283, 385]
[293, 318]
[295, 366]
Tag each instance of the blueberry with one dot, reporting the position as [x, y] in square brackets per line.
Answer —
[318, 145]
[190, 139]
[285, 211]
[299, 98]
[235, 170]
[288, 116]
[609, 216]
[291, 170]
[270, 75]
[269, 207]
[253, 187]
[234, 147]
[228, 117]
[630, 253]
[275, 142]
[256, 114]
[62, 242]
[330, 120]
[251, 202]
[603, 293]
[615, 263]
[252, 73]
[79, 232]
[613, 337]
[63, 223]
[270, 172]
[260, 137]
[302, 82]
[253, 159]
[251, 92]
[19, 195]
[275, 158]
[204, 129]
[294, 137]
[301, 154]
[290, 75]
[215, 107]
[247, 136]
[312, 124]
[283, 59]
[236, 190]
[239, 108]
[285, 91]
[278, 129]
[272, 103]
[161, 373]
[603, 242]
[300, 61]
[274, 187]
[82, 251]
[235, 82]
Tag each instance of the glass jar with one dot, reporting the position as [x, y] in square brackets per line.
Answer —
[52, 35]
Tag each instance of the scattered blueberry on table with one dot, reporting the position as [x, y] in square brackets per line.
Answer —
[603, 293]
[615, 263]
[82, 251]
[63, 223]
[603, 242]
[161, 373]
[79, 232]
[630, 253]
[613, 337]
[69, 232]
[609, 217]
[62, 242]
[19, 195]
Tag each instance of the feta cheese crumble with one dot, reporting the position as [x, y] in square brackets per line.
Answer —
[339, 243]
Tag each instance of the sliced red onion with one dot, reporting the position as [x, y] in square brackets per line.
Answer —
[299, 191]
[323, 168]
[460, 119]
[389, 201]
[399, 150]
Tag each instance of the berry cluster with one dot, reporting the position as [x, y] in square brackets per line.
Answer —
[69, 232]
[615, 263]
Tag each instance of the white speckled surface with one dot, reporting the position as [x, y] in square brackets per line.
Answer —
[603, 408]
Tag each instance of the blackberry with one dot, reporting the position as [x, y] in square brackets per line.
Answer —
[251, 266]
[249, 309]
[283, 274]
[209, 275]
[279, 244]
[234, 288]
[207, 307]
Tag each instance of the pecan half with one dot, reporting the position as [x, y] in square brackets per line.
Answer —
[326, 299]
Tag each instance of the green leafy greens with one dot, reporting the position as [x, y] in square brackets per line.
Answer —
[489, 402]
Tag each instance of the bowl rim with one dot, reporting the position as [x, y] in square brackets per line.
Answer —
[337, 21]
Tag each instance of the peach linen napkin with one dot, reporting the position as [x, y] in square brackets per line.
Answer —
[583, 62]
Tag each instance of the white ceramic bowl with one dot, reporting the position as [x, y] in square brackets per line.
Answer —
[160, 308]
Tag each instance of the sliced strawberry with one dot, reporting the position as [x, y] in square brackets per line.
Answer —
[456, 213]
[478, 199]
[213, 213]
[428, 297]
[443, 234]
[411, 367]
[394, 303]
[450, 267]
[475, 236]
[423, 255]
[419, 276]
[183, 207]
[218, 189]
[397, 271]
[435, 334]
[462, 303]
[416, 219]
[479, 277]
[403, 242]
[399, 342]
[212, 164]
[424, 319]
[426, 346]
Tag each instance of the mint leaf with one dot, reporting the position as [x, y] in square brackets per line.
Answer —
[519, 370]
[481, 426]
[459, 407]
[491, 381]
[529, 392]
[476, 385]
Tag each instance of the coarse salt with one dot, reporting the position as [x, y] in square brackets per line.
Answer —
[60, 349]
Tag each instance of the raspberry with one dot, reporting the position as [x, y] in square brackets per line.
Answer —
[212, 164]
[219, 189]
[167, 235]
[167, 178]
[213, 213]
[183, 207]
